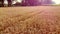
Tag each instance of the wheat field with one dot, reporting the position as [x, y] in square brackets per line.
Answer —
[30, 20]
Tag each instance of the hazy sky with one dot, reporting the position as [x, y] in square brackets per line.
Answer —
[5, 1]
[56, 1]
[17, 1]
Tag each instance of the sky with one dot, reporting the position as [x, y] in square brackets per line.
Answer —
[5, 1]
[56, 1]
[17, 1]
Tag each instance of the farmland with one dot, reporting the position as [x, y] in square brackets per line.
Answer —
[30, 20]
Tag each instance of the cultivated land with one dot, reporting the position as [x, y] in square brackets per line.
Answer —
[30, 20]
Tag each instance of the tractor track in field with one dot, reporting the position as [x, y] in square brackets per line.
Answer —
[31, 14]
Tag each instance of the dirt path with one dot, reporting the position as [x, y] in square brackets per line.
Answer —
[30, 20]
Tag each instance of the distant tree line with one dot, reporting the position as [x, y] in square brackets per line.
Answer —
[27, 2]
